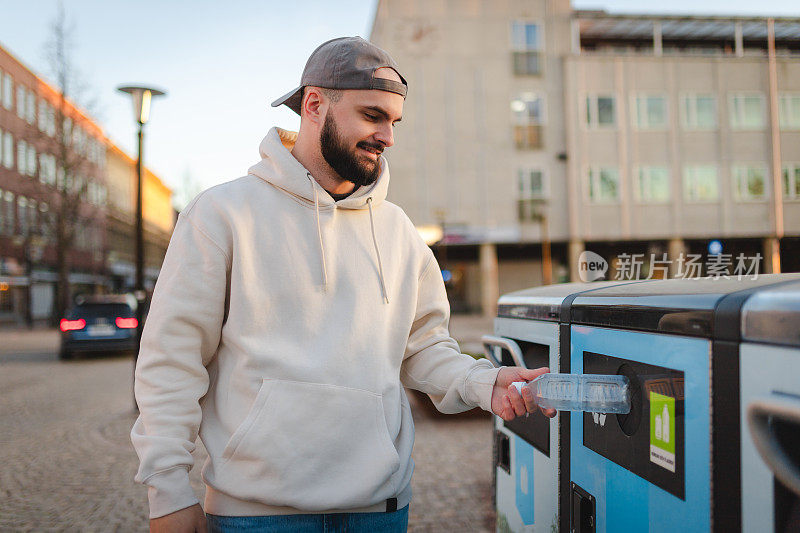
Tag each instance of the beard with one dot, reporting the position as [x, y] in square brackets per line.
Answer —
[350, 165]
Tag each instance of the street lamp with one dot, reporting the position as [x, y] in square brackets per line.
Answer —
[141, 110]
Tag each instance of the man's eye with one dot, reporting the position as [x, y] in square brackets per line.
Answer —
[371, 117]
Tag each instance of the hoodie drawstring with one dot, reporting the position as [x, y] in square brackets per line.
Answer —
[377, 252]
[322, 246]
[319, 234]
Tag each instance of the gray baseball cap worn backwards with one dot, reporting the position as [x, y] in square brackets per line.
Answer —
[345, 63]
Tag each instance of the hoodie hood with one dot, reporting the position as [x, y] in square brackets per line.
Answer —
[279, 168]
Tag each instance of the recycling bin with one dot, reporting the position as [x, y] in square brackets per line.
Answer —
[712, 440]
[769, 357]
[526, 450]
[683, 459]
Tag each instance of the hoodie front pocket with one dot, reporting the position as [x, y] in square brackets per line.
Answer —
[311, 446]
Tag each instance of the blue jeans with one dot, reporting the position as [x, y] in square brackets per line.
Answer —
[395, 522]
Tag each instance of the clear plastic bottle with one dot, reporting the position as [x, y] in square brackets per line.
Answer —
[593, 393]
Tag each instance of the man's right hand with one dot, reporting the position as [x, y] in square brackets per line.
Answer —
[189, 520]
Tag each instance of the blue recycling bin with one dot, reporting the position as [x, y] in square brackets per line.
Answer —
[714, 367]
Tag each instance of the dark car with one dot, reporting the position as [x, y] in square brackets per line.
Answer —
[104, 324]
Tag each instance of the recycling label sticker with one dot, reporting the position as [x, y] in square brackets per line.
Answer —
[662, 430]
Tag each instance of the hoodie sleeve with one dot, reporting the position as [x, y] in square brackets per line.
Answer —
[180, 337]
[433, 361]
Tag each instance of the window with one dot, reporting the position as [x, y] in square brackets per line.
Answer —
[603, 185]
[789, 111]
[530, 193]
[51, 170]
[600, 111]
[700, 183]
[51, 124]
[31, 164]
[531, 184]
[67, 131]
[8, 212]
[649, 112]
[528, 110]
[21, 101]
[33, 211]
[22, 156]
[791, 181]
[22, 207]
[31, 108]
[47, 169]
[8, 92]
[749, 182]
[47, 118]
[77, 140]
[747, 111]
[79, 185]
[43, 168]
[8, 150]
[699, 112]
[652, 184]
[43, 115]
[44, 220]
[526, 44]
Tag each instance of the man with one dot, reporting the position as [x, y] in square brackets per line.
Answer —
[292, 306]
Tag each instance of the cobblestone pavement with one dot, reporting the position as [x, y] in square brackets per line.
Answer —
[67, 464]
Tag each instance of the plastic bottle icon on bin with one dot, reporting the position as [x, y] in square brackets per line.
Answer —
[662, 425]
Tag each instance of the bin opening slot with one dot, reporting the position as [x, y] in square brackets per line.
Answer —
[649, 441]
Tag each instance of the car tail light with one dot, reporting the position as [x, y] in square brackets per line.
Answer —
[72, 325]
[126, 323]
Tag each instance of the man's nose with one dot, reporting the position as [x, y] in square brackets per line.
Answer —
[385, 135]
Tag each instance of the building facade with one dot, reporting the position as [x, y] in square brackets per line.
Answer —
[534, 132]
[51, 152]
[159, 220]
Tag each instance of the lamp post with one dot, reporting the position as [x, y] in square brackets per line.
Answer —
[142, 97]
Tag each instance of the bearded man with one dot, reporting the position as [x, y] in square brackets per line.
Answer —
[293, 306]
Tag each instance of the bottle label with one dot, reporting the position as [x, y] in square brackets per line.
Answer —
[662, 430]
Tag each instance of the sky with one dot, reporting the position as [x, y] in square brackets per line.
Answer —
[221, 64]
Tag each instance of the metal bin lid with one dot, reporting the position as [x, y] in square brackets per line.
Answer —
[772, 316]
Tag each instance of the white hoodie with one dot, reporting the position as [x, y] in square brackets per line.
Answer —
[282, 328]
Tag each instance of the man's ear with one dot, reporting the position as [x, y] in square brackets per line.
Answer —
[314, 105]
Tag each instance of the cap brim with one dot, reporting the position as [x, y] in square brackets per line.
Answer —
[292, 100]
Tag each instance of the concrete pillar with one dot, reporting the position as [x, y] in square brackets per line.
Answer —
[657, 42]
[675, 248]
[575, 29]
[772, 256]
[738, 39]
[490, 279]
[576, 248]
